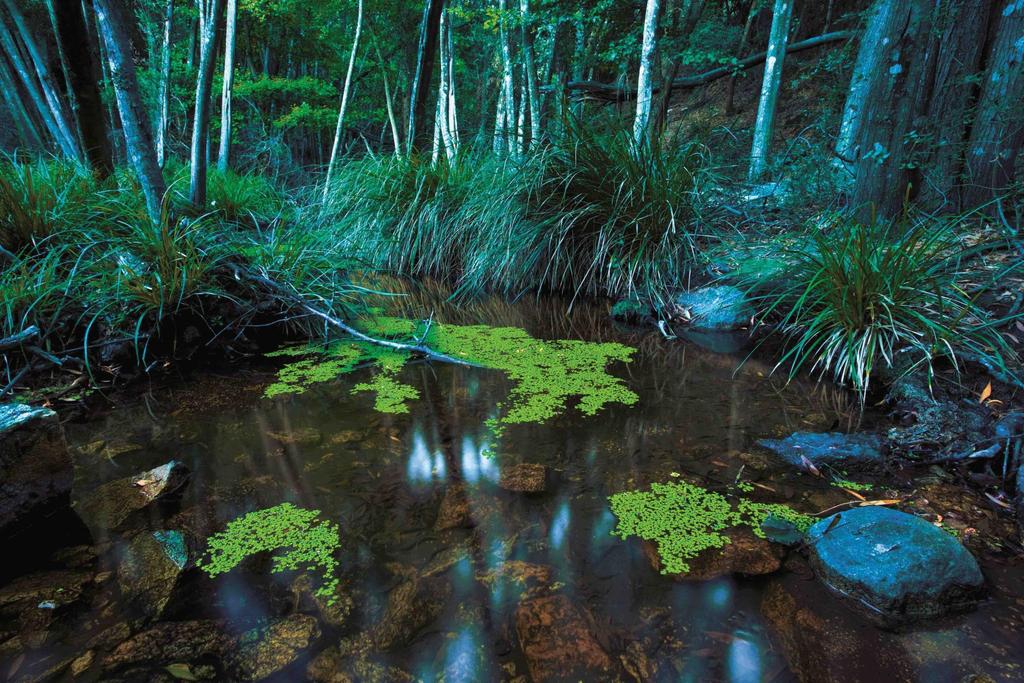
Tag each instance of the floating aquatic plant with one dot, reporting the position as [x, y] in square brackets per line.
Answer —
[310, 543]
[684, 520]
[852, 485]
[546, 374]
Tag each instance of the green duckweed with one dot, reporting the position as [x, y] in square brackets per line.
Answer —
[546, 374]
[311, 544]
[852, 485]
[684, 520]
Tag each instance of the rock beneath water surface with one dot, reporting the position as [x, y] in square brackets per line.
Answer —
[823, 647]
[170, 642]
[832, 449]
[524, 478]
[898, 565]
[265, 651]
[411, 606]
[746, 554]
[108, 506]
[558, 642]
[454, 511]
[719, 307]
[149, 569]
[36, 470]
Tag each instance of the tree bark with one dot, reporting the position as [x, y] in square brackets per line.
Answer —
[28, 131]
[765, 124]
[164, 95]
[344, 101]
[418, 137]
[65, 68]
[443, 122]
[869, 58]
[224, 153]
[92, 118]
[134, 121]
[998, 131]
[388, 100]
[888, 167]
[209, 10]
[68, 139]
[645, 80]
[530, 64]
[507, 82]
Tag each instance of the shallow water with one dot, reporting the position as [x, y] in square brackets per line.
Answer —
[386, 479]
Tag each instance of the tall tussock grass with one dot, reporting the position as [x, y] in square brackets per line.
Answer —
[590, 213]
[853, 298]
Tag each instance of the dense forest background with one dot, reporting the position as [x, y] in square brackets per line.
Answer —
[616, 149]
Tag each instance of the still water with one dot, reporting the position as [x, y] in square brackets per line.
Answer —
[445, 573]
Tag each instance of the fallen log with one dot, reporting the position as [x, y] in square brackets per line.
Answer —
[29, 334]
[612, 92]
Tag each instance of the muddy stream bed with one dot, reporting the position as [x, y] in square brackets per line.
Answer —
[462, 556]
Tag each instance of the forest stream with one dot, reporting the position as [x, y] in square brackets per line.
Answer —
[459, 553]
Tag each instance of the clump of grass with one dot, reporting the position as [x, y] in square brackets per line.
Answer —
[855, 297]
[40, 198]
[244, 199]
[619, 218]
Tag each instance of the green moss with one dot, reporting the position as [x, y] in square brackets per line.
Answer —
[684, 520]
[546, 374]
[310, 543]
[852, 485]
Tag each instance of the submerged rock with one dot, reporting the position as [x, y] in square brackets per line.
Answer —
[333, 610]
[338, 665]
[110, 505]
[898, 565]
[149, 569]
[823, 647]
[936, 426]
[832, 449]
[744, 554]
[454, 511]
[524, 478]
[263, 652]
[558, 642]
[169, 642]
[36, 470]
[411, 606]
[718, 307]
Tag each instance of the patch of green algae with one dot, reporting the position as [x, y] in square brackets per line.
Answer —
[311, 544]
[546, 374]
[684, 519]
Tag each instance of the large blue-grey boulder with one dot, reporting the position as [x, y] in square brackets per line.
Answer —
[898, 566]
[827, 449]
[718, 307]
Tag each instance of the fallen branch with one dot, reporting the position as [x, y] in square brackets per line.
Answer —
[29, 334]
[296, 300]
[612, 92]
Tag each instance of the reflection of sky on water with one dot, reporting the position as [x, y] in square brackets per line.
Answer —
[475, 465]
[743, 659]
[424, 466]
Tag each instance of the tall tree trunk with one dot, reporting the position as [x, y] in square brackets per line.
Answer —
[164, 94]
[694, 10]
[46, 82]
[765, 124]
[888, 164]
[645, 81]
[37, 84]
[507, 84]
[92, 120]
[530, 64]
[209, 10]
[28, 131]
[65, 68]
[453, 118]
[224, 152]
[741, 47]
[998, 131]
[388, 99]
[869, 59]
[444, 88]
[500, 144]
[134, 121]
[344, 100]
[417, 137]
